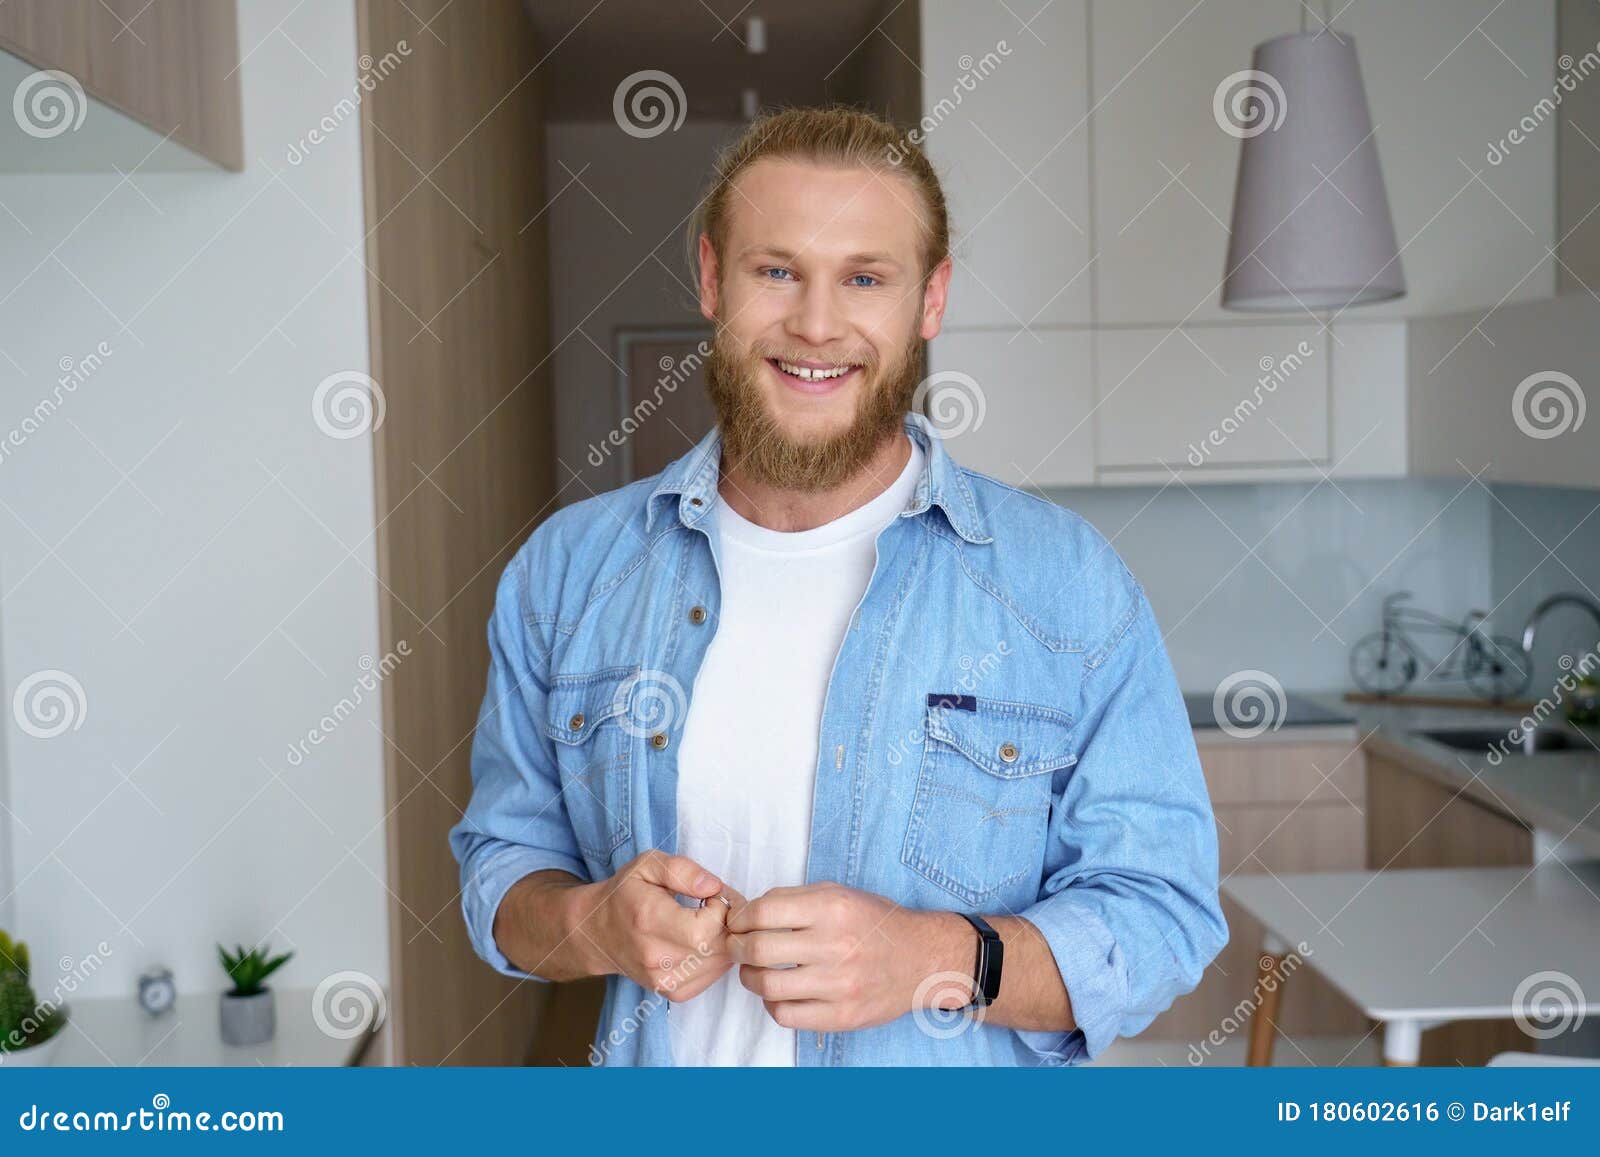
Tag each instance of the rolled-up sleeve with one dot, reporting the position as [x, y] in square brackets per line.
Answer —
[1129, 904]
[516, 821]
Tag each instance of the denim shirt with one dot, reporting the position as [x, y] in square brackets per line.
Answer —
[1002, 734]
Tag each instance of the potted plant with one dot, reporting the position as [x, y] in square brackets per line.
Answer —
[29, 1031]
[246, 1009]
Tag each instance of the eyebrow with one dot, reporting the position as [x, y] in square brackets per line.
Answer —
[781, 254]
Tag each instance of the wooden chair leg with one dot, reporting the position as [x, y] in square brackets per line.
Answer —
[1264, 1021]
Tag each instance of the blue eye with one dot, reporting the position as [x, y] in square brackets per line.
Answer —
[863, 281]
[776, 273]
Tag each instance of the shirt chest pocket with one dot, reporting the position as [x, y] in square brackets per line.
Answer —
[589, 718]
[981, 812]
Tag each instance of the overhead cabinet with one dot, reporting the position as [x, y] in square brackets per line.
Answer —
[97, 85]
[1091, 184]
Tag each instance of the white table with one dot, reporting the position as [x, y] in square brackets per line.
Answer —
[116, 1031]
[1419, 947]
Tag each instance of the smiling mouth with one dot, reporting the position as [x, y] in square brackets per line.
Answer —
[812, 379]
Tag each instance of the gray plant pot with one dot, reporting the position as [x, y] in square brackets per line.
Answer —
[247, 1020]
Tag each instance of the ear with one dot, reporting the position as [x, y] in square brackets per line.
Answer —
[710, 277]
[933, 299]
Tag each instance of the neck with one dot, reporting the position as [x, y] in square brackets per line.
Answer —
[778, 508]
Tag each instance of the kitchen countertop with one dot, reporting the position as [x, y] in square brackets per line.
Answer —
[1556, 791]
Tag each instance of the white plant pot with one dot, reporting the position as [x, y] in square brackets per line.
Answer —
[246, 1020]
[35, 1056]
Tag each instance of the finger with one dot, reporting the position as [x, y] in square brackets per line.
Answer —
[676, 873]
[807, 982]
[805, 1015]
[779, 908]
[773, 949]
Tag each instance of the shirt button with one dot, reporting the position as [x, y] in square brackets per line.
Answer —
[658, 740]
[1008, 752]
[695, 502]
[576, 722]
[697, 615]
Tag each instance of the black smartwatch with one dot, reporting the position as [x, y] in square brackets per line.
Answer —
[986, 971]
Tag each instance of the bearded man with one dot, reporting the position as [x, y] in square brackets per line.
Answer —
[823, 749]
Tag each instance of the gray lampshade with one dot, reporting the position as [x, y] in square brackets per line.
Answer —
[1311, 223]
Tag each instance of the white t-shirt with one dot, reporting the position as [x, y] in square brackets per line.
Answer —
[748, 763]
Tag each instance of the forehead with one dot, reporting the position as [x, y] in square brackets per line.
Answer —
[823, 211]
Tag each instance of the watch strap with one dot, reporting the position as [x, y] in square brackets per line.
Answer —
[987, 967]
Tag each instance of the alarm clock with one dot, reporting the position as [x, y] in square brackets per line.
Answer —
[157, 992]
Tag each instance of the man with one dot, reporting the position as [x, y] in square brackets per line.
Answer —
[821, 748]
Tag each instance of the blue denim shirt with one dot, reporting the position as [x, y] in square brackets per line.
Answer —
[1003, 734]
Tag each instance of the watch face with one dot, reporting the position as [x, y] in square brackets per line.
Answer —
[157, 994]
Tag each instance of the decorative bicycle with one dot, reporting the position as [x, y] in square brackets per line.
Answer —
[1389, 660]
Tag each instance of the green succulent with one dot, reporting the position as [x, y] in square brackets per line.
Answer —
[23, 1022]
[249, 970]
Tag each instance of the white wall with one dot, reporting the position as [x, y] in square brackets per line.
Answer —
[175, 538]
[1324, 559]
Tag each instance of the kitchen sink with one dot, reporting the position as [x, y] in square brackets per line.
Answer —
[1540, 739]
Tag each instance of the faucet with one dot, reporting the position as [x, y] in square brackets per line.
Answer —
[1548, 605]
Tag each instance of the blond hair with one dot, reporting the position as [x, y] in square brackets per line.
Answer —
[835, 135]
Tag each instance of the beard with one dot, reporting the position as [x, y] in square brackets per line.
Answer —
[753, 438]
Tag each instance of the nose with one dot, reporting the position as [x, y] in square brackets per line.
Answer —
[816, 318]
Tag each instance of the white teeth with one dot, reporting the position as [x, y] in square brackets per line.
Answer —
[813, 375]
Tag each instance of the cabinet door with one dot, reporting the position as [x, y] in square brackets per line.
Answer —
[1016, 405]
[1005, 117]
[1163, 167]
[1447, 81]
[1199, 398]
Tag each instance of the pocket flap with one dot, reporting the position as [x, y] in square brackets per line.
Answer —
[1005, 739]
[578, 704]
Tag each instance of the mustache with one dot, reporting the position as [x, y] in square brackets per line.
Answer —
[867, 359]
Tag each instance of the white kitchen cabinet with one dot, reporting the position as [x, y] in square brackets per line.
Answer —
[1508, 393]
[1018, 406]
[1006, 111]
[1163, 169]
[1198, 398]
[1446, 81]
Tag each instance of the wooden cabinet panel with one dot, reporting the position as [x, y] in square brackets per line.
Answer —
[171, 64]
[1263, 771]
[1280, 807]
[1413, 822]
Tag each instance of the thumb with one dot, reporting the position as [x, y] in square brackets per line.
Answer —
[678, 874]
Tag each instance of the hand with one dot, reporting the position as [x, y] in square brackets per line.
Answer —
[641, 931]
[861, 960]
